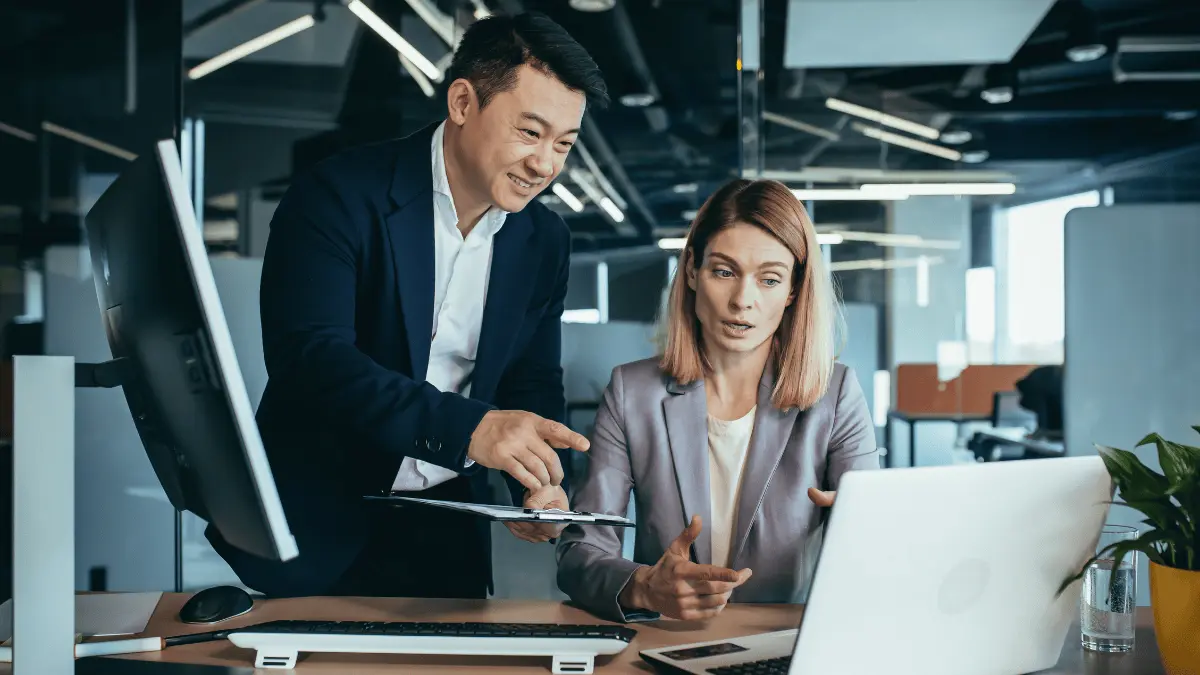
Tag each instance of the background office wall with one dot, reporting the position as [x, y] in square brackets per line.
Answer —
[1132, 332]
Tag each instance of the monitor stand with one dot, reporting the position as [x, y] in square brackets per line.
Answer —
[44, 507]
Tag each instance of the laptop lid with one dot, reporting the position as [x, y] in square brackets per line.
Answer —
[952, 570]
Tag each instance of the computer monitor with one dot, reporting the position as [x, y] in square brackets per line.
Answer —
[177, 366]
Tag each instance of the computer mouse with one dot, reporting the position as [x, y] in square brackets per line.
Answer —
[216, 604]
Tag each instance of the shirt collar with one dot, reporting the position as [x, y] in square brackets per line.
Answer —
[492, 219]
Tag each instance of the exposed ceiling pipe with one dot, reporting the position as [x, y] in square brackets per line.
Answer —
[647, 222]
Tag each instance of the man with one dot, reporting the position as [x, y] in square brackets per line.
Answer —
[412, 294]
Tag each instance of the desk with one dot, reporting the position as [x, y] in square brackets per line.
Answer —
[734, 621]
[912, 419]
[1038, 447]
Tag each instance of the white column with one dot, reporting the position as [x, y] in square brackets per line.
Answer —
[43, 514]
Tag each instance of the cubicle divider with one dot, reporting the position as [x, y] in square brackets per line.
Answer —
[1132, 332]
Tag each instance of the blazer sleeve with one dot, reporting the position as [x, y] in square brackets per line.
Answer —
[533, 381]
[307, 298]
[852, 443]
[590, 567]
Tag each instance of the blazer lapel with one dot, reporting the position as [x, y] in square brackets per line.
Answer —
[509, 287]
[686, 413]
[410, 229]
[772, 427]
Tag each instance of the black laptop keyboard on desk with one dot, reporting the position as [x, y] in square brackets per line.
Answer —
[777, 666]
[507, 630]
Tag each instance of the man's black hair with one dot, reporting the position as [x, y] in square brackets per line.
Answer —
[492, 49]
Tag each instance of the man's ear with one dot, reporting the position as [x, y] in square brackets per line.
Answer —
[460, 101]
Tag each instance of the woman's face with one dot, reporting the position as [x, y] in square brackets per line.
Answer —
[742, 287]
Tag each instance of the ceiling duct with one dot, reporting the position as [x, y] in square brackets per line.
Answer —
[1157, 59]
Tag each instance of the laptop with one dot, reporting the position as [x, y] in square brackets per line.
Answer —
[946, 570]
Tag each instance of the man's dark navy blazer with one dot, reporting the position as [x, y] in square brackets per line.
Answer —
[347, 315]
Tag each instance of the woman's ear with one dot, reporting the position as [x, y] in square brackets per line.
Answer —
[460, 99]
[689, 268]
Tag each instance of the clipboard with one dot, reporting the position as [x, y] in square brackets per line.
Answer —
[510, 513]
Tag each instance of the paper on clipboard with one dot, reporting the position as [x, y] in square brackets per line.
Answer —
[515, 513]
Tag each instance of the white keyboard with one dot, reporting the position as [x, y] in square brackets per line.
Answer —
[572, 648]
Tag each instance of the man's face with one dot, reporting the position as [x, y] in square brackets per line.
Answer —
[518, 143]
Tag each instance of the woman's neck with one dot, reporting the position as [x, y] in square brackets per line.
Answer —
[731, 385]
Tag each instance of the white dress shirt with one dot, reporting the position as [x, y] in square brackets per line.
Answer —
[728, 446]
[461, 269]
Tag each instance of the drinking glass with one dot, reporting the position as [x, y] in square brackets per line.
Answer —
[1109, 598]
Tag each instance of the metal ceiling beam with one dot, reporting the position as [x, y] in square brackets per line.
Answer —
[220, 12]
[647, 221]
[1127, 100]
[1098, 176]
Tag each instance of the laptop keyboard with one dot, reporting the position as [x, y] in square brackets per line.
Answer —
[777, 666]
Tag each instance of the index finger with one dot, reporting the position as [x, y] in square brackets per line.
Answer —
[698, 572]
[559, 436]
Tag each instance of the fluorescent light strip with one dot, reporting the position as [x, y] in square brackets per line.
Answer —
[910, 143]
[247, 48]
[879, 264]
[843, 194]
[584, 180]
[612, 210]
[567, 197]
[801, 126]
[393, 38]
[19, 133]
[677, 243]
[416, 74]
[882, 118]
[88, 141]
[897, 240]
[940, 189]
[438, 22]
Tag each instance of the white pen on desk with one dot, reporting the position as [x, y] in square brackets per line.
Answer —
[105, 648]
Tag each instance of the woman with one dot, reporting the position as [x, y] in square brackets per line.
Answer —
[732, 435]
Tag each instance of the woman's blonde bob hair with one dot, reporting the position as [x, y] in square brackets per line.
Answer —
[803, 350]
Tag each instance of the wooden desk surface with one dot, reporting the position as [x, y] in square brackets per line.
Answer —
[736, 620]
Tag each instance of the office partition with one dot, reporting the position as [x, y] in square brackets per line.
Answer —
[1132, 331]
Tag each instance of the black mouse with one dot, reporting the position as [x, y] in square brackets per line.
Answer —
[216, 604]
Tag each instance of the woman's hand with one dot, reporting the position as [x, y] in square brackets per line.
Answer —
[678, 588]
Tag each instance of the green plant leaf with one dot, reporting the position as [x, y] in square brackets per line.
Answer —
[1162, 513]
[1178, 462]
[1134, 479]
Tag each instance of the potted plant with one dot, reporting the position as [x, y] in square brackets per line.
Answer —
[1171, 503]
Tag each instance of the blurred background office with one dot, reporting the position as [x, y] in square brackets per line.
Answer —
[1000, 185]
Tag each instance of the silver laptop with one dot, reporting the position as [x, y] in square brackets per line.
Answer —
[939, 571]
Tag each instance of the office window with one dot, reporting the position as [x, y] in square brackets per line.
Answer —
[1033, 306]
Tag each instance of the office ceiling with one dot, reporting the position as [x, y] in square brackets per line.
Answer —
[1069, 125]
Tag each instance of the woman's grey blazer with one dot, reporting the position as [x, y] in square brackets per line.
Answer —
[651, 436]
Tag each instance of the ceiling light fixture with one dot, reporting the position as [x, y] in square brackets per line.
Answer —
[393, 38]
[612, 210]
[975, 156]
[568, 197]
[638, 100]
[956, 137]
[19, 133]
[940, 189]
[881, 264]
[841, 194]
[883, 118]
[910, 143]
[84, 139]
[592, 5]
[249, 47]
[415, 73]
